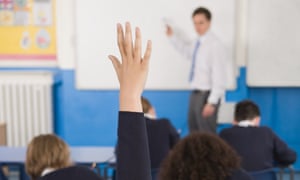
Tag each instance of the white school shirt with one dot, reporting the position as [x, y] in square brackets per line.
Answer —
[47, 171]
[246, 123]
[210, 64]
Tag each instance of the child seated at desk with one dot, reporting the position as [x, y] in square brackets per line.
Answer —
[259, 147]
[162, 136]
[48, 158]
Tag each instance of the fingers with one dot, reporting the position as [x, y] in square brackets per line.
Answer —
[207, 111]
[169, 30]
[116, 64]
[147, 54]
[120, 38]
[204, 114]
[126, 47]
[138, 44]
[128, 40]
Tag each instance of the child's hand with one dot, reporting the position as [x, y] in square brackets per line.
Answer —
[132, 70]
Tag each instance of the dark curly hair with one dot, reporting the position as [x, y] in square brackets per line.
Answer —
[200, 156]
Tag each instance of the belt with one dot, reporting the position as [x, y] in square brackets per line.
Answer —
[200, 91]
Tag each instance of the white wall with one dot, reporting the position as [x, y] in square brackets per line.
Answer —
[241, 32]
[65, 34]
[274, 43]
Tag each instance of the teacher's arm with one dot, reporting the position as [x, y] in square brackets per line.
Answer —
[133, 161]
[219, 77]
[183, 45]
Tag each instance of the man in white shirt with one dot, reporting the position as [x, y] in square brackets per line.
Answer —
[208, 71]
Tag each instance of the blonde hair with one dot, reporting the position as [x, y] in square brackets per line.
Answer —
[46, 151]
[146, 105]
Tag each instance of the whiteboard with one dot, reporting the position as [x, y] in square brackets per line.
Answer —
[274, 43]
[96, 38]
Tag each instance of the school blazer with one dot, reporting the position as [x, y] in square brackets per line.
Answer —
[162, 137]
[259, 147]
[73, 172]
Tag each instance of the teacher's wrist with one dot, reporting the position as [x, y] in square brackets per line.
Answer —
[212, 104]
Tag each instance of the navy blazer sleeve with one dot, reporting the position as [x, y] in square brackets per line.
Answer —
[174, 135]
[133, 159]
[282, 153]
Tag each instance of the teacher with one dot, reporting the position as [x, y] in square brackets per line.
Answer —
[207, 76]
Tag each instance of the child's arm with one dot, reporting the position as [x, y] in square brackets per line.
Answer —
[133, 153]
[282, 153]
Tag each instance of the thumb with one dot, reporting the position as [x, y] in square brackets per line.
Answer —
[116, 64]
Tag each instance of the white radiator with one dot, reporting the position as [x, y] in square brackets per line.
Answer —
[25, 105]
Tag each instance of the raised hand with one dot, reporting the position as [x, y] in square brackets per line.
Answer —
[132, 70]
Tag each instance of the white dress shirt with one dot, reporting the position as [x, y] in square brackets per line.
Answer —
[210, 64]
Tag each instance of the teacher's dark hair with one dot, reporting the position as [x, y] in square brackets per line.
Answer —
[203, 10]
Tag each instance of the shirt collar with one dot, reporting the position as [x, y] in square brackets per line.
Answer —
[149, 116]
[203, 37]
[246, 123]
[47, 171]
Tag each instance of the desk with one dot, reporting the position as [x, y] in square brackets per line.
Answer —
[78, 154]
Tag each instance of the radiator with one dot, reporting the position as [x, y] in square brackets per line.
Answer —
[25, 105]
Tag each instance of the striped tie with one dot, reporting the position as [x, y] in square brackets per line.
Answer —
[192, 72]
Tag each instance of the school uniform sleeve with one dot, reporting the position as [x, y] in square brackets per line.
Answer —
[133, 159]
[174, 135]
[282, 153]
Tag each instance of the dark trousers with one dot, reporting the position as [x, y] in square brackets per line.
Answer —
[197, 123]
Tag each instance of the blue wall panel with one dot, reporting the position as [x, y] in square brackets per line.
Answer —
[89, 117]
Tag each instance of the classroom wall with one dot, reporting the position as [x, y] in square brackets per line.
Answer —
[90, 117]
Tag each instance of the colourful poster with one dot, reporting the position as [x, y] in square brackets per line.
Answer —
[42, 13]
[27, 30]
[22, 12]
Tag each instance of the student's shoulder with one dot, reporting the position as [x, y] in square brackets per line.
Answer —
[228, 130]
[85, 172]
[159, 121]
[266, 129]
[164, 121]
[79, 172]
